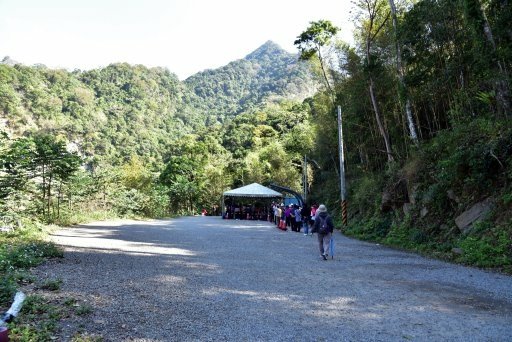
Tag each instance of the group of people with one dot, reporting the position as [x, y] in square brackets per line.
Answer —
[316, 218]
[252, 211]
[292, 216]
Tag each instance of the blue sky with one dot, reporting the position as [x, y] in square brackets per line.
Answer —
[185, 36]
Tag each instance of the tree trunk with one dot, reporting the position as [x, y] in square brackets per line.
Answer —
[380, 124]
[371, 15]
[44, 191]
[501, 85]
[322, 66]
[400, 71]
[49, 199]
[58, 199]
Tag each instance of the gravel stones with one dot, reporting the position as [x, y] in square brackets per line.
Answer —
[208, 279]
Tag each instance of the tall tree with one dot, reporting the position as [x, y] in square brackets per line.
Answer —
[373, 25]
[477, 17]
[53, 163]
[311, 42]
[400, 71]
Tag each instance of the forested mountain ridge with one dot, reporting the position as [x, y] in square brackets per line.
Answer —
[265, 75]
[123, 110]
[115, 112]
[148, 144]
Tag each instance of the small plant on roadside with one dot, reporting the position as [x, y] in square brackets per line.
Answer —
[82, 310]
[52, 285]
[70, 302]
[492, 249]
[37, 322]
[7, 289]
[84, 337]
[24, 277]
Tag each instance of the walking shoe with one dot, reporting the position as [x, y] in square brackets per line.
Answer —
[323, 256]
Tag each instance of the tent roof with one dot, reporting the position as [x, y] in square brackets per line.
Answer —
[253, 190]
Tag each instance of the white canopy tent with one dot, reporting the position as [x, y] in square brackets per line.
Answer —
[253, 190]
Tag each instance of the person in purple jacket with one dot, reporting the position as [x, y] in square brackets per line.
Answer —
[324, 227]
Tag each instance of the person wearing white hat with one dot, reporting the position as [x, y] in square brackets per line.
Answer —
[324, 227]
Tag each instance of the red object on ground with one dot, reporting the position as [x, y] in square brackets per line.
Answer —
[4, 334]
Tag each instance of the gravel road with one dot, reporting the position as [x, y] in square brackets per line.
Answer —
[208, 279]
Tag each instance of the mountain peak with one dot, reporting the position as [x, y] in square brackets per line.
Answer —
[9, 61]
[269, 48]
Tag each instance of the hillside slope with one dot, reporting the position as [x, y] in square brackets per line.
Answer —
[267, 74]
[123, 110]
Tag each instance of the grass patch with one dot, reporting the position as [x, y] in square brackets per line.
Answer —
[83, 310]
[493, 249]
[20, 250]
[73, 218]
[52, 285]
[39, 318]
[84, 337]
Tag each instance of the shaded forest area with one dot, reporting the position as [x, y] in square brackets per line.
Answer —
[425, 95]
[426, 101]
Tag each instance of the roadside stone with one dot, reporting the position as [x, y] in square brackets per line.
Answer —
[457, 251]
[413, 193]
[407, 208]
[477, 212]
[451, 195]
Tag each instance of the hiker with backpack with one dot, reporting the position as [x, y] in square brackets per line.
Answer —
[324, 227]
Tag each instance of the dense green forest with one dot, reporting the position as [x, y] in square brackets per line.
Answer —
[425, 96]
[128, 140]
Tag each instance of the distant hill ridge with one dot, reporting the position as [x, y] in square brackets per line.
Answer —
[123, 109]
[268, 49]
[269, 73]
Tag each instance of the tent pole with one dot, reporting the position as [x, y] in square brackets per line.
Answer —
[222, 207]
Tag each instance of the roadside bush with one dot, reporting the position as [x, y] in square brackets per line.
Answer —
[21, 250]
[374, 229]
[489, 249]
[365, 197]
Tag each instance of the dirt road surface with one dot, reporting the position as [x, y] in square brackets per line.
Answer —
[208, 279]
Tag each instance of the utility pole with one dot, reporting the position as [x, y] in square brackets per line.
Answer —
[343, 187]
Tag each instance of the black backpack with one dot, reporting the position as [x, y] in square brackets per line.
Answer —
[323, 229]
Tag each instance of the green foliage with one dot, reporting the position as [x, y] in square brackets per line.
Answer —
[7, 288]
[492, 249]
[264, 76]
[19, 251]
[26, 254]
[374, 229]
[39, 161]
[318, 34]
[44, 316]
[83, 310]
[52, 285]
[86, 338]
[363, 197]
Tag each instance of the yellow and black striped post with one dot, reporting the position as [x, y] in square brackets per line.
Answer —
[344, 213]
[343, 186]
